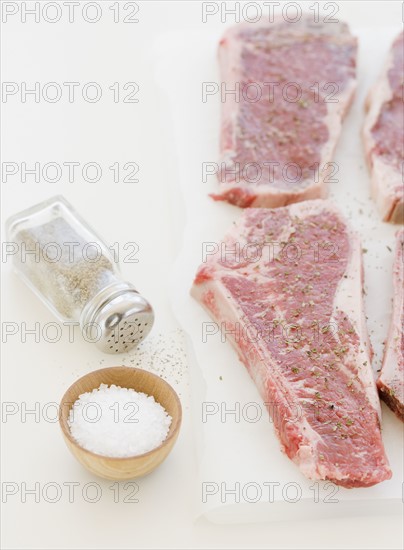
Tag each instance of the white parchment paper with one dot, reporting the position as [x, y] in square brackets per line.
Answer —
[243, 476]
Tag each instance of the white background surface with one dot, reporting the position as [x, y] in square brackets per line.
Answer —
[150, 213]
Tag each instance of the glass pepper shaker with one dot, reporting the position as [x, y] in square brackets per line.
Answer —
[72, 270]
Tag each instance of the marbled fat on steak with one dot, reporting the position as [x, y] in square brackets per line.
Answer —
[391, 379]
[285, 286]
[383, 135]
[276, 150]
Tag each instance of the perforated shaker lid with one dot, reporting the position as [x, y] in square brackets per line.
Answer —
[117, 320]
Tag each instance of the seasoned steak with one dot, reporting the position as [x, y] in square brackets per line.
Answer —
[391, 379]
[285, 286]
[384, 136]
[294, 84]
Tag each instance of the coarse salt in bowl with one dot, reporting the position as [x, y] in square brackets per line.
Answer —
[120, 422]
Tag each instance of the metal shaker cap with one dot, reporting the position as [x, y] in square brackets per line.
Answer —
[117, 319]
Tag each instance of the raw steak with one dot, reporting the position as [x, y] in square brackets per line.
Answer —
[294, 312]
[280, 145]
[391, 379]
[384, 136]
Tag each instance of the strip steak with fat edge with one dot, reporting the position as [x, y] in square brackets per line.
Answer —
[391, 379]
[383, 135]
[285, 286]
[276, 150]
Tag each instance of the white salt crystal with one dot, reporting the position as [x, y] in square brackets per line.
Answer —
[118, 422]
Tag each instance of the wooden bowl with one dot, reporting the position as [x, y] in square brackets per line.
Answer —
[141, 381]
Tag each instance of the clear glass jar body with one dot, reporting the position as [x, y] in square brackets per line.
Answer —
[60, 257]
